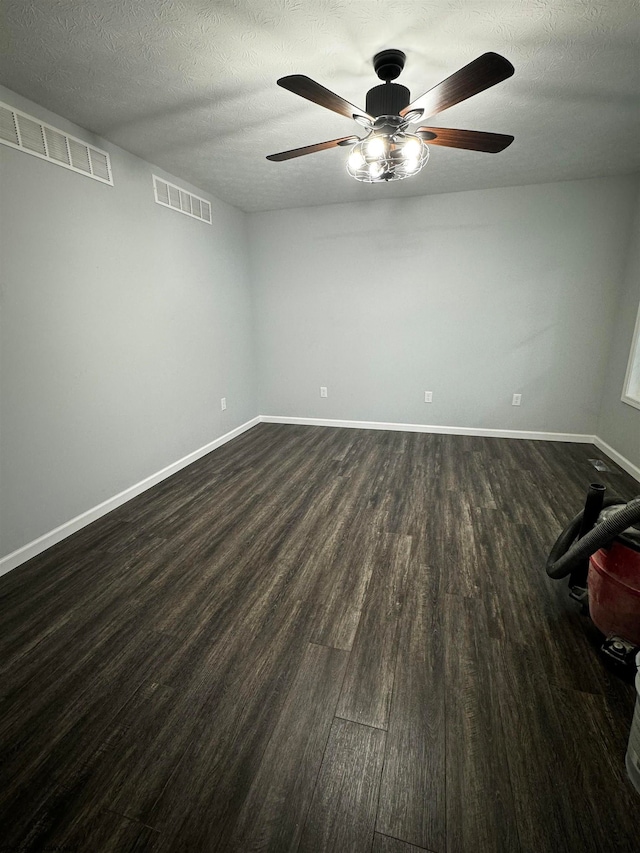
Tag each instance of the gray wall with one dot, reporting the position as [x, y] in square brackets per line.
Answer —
[122, 325]
[473, 296]
[619, 423]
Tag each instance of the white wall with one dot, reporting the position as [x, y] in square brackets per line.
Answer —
[471, 295]
[619, 423]
[122, 325]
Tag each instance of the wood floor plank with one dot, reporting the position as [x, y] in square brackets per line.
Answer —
[206, 767]
[106, 831]
[479, 804]
[596, 749]
[547, 819]
[368, 683]
[151, 736]
[343, 811]
[276, 807]
[82, 611]
[456, 551]
[50, 754]
[345, 560]
[384, 844]
[412, 791]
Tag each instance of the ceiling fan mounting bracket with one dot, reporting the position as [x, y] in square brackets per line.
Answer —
[388, 64]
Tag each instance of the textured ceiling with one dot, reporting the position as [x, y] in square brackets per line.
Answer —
[190, 85]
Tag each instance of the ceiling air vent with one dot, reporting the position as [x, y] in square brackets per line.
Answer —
[169, 195]
[18, 130]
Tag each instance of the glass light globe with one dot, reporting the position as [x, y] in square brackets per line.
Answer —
[375, 147]
[387, 156]
[356, 160]
[412, 149]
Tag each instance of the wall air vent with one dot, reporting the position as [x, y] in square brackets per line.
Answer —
[172, 196]
[18, 130]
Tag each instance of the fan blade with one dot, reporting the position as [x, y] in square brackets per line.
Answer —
[312, 91]
[311, 149]
[472, 140]
[481, 74]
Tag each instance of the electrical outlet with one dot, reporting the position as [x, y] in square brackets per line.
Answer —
[515, 400]
[223, 403]
[428, 396]
[323, 390]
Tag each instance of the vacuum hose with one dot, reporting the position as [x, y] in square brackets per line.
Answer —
[561, 561]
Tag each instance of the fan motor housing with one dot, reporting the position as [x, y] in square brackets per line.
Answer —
[387, 99]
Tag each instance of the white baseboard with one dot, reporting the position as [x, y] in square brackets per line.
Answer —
[11, 561]
[579, 438]
[618, 458]
[435, 428]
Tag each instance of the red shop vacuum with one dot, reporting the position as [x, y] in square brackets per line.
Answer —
[599, 551]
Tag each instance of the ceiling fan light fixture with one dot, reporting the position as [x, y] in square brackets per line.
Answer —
[390, 156]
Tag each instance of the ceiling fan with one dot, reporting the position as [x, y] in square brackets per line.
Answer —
[389, 151]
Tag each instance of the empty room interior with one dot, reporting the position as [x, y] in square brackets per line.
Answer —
[319, 426]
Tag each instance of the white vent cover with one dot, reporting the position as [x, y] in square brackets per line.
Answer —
[18, 130]
[172, 196]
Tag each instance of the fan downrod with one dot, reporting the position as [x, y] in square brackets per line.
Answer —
[388, 64]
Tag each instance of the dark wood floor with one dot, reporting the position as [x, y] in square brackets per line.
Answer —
[318, 639]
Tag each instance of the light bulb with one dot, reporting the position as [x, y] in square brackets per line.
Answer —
[410, 165]
[375, 170]
[356, 160]
[375, 147]
[411, 149]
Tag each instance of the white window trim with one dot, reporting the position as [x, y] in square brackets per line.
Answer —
[634, 356]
